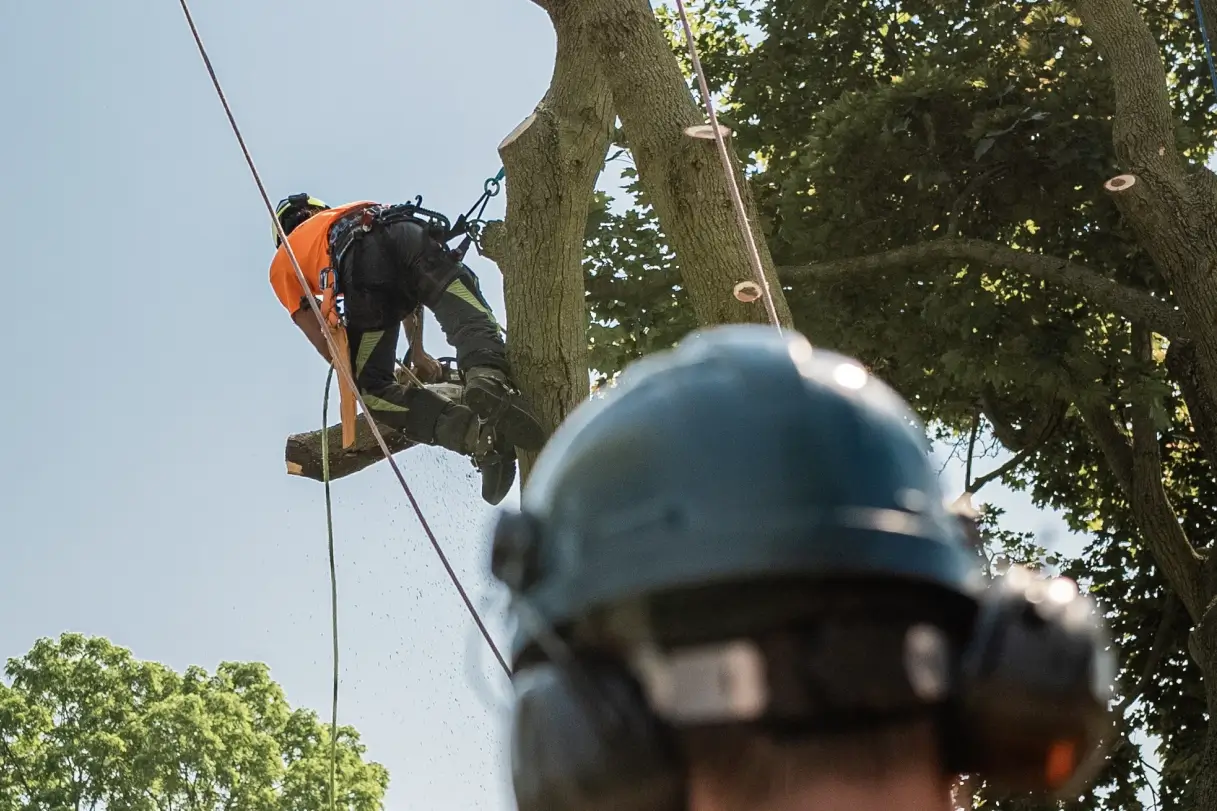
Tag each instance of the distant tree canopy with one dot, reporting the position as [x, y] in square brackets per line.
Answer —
[85, 725]
[933, 182]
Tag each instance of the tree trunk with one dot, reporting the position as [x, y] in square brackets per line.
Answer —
[682, 176]
[1172, 207]
[552, 161]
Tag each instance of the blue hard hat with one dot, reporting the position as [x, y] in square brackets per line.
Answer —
[740, 455]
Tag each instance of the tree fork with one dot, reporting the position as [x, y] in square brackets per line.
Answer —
[682, 174]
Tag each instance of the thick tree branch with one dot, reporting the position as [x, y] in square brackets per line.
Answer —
[1139, 472]
[1111, 442]
[682, 175]
[1201, 408]
[1171, 209]
[1143, 128]
[1134, 305]
[1171, 546]
[552, 160]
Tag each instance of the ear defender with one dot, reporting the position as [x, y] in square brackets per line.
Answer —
[1031, 712]
[584, 739]
[1027, 709]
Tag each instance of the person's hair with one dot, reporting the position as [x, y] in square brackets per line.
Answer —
[751, 768]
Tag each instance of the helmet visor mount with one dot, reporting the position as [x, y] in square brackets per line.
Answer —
[294, 210]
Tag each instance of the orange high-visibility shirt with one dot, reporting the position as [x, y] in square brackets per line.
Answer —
[310, 243]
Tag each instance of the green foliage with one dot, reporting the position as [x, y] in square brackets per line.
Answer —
[83, 724]
[883, 123]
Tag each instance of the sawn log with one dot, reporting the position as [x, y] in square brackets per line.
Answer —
[303, 451]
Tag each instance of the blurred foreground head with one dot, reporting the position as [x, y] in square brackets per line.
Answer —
[736, 586]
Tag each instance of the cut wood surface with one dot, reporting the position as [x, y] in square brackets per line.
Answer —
[303, 451]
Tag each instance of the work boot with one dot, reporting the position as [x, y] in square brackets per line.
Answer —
[495, 400]
[497, 466]
[458, 429]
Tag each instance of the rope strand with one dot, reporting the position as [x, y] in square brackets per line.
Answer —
[329, 533]
[737, 199]
[333, 349]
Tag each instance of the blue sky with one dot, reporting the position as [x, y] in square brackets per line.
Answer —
[155, 376]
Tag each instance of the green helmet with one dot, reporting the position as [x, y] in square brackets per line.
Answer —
[741, 455]
[292, 211]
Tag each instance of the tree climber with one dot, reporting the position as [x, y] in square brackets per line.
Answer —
[736, 586]
[385, 261]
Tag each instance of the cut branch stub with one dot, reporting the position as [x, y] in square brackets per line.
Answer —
[518, 131]
[705, 132]
[747, 292]
[1120, 183]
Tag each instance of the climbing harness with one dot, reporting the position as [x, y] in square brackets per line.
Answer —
[354, 225]
[740, 212]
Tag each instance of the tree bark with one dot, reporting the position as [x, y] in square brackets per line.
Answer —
[1138, 468]
[682, 176]
[1202, 643]
[1181, 363]
[1173, 210]
[303, 451]
[1171, 207]
[552, 161]
[1134, 305]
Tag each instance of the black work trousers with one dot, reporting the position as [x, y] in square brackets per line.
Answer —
[385, 274]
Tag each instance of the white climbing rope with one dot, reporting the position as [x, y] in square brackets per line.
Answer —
[737, 199]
